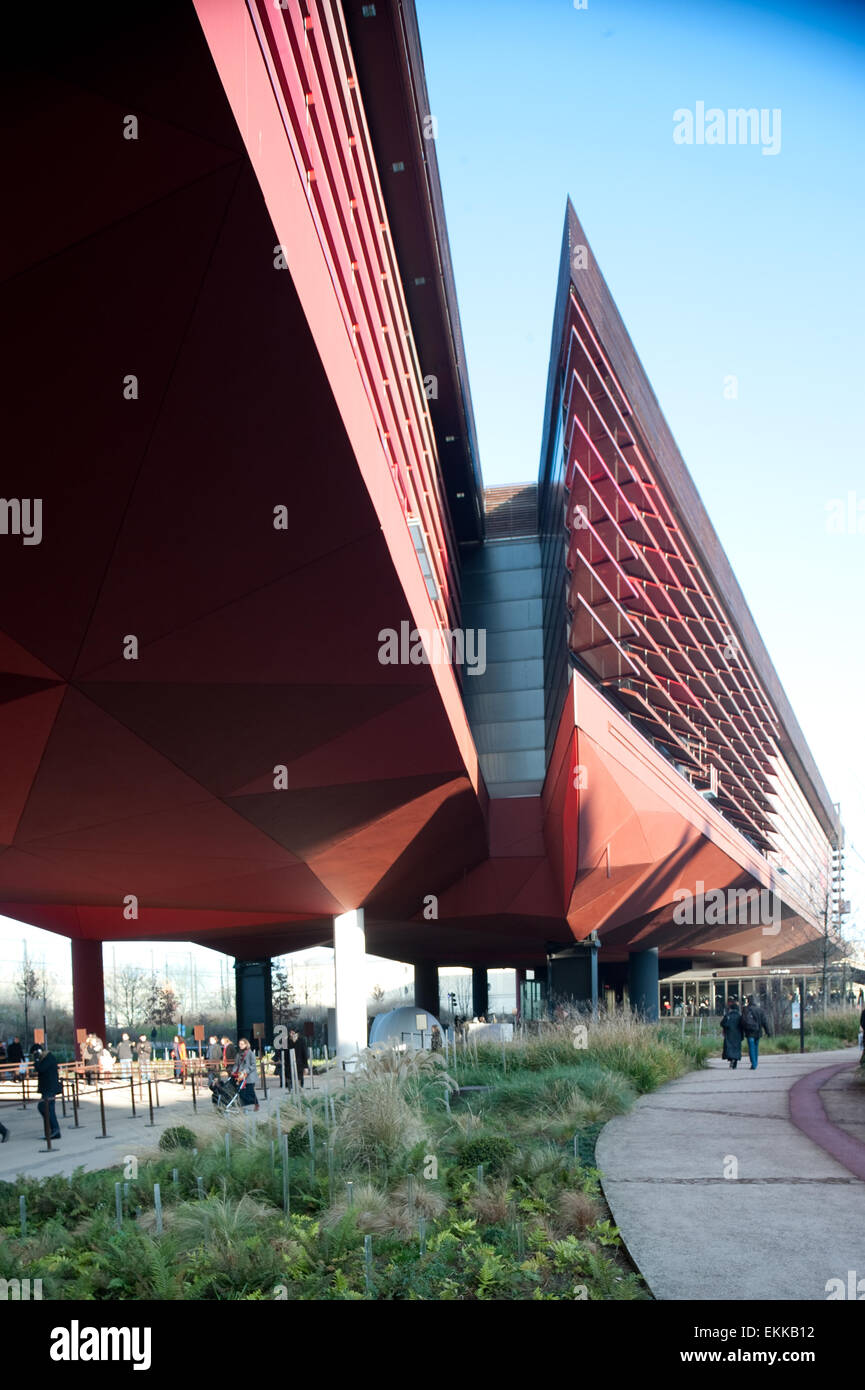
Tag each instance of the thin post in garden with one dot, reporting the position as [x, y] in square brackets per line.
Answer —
[22, 1214]
[157, 1206]
[132, 1093]
[152, 1123]
[118, 1205]
[367, 1264]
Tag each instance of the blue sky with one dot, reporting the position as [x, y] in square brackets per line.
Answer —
[723, 261]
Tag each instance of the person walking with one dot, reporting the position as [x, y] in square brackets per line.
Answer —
[731, 1023]
[297, 1045]
[754, 1025]
[178, 1053]
[15, 1052]
[245, 1073]
[48, 1085]
[124, 1056]
[229, 1052]
[145, 1053]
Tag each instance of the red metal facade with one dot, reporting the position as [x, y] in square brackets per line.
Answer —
[305, 50]
[646, 619]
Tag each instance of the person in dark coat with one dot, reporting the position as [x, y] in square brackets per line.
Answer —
[48, 1082]
[297, 1045]
[145, 1053]
[229, 1052]
[862, 1026]
[124, 1056]
[754, 1025]
[15, 1052]
[732, 1026]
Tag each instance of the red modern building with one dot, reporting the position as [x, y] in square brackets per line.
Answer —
[242, 479]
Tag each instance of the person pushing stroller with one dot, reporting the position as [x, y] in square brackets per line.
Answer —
[223, 1090]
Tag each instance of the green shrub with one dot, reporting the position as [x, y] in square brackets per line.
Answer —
[297, 1139]
[177, 1137]
[492, 1150]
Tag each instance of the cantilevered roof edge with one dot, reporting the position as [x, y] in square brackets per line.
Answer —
[594, 295]
[386, 48]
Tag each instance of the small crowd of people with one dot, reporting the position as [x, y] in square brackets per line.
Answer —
[100, 1058]
[233, 1072]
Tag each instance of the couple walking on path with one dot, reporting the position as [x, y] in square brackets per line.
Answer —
[750, 1024]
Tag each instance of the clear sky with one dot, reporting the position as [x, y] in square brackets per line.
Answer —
[723, 261]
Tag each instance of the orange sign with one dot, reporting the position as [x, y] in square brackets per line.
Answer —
[198, 1032]
[39, 1035]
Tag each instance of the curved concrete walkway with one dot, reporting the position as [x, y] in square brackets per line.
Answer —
[719, 1194]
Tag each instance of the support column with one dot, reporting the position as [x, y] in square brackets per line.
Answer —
[88, 987]
[480, 991]
[520, 980]
[349, 969]
[754, 960]
[572, 974]
[643, 975]
[253, 994]
[426, 987]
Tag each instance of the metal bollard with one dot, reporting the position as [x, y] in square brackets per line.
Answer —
[104, 1134]
[150, 1103]
[194, 1104]
[132, 1093]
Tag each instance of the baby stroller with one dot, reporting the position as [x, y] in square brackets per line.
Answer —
[224, 1091]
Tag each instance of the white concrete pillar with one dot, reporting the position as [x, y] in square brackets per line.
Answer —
[349, 968]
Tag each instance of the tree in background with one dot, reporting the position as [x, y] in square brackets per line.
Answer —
[160, 1005]
[285, 1009]
[126, 995]
[28, 986]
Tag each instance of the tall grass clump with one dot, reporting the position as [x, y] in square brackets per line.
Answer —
[381, 1117]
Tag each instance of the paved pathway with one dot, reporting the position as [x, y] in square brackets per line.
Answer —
[720, 1195]
[25, 1150]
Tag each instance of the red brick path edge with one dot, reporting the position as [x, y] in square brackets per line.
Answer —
[808, 1115]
